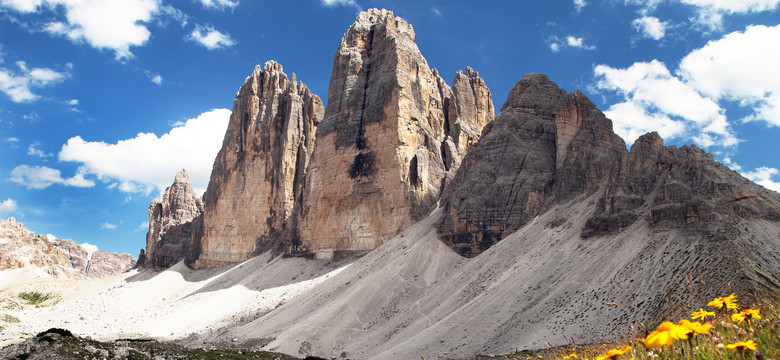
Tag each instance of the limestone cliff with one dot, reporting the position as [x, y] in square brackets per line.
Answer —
[547, 147]
[58, 258]
[260, 169]
[169, 239]
[392, 130]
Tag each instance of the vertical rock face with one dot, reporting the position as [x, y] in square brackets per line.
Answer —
[169, 239]
[392, 130]
[547, 147]
[545, 144]
[469, 111]
[681, 188]
[260, 169]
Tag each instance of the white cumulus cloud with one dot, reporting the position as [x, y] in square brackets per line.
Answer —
[7, 206]
[210, 38]
[579, 4]
[19, 84]
[219, 4]
[41, 177]
[742, 67]
[737, 68]
[763, 176]
[651, 87]
[24, 6]
[114, 25]
[147, 161]
[650, 27]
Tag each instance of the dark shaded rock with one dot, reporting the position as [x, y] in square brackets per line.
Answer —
[544, 146]
[169, 239]
[547, 147]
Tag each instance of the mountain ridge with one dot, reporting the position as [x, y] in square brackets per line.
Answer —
[464, 234]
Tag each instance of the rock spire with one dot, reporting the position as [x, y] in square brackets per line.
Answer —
[169, 239]
[260, 169]
[392, 131]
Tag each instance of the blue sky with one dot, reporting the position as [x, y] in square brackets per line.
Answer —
[102, 101]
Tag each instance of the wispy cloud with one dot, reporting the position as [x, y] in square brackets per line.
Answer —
[144, 226]
[107, 226]
[711, 12]
[7, 206]
[19, 84]
[32, 150]
[557, 44]
[154, 77]
[650, 27]
[579, 4]
[41, 177]
[219, 4]
[436, 11]
[210, 38]
[339, 2]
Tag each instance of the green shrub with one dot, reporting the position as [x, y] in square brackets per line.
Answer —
[38, 298]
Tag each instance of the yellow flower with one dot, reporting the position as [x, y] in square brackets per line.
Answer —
[696, 327]
[702, 314]
[731, 302]
[615, 353]
[716, 302]
[753, 313]
[738, 317]
[570, 356]
[742, 345]
[665, 334]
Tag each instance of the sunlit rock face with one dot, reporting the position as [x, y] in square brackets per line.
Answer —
[392, 131]
[260, 169]
[55, 257]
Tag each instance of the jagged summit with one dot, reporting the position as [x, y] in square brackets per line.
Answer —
[258, 174]
[171, 224]
[52, 257]
[392, 132]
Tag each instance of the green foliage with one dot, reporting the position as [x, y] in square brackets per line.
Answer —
[10, 319]
[38, 298]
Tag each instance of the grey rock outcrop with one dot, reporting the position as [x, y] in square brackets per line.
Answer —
[59, 258]
[545, 144]
[169, 239]
[548, 147]
[259, 172]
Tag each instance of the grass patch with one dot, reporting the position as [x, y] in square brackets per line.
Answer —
[38, 298]
[10, 319]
